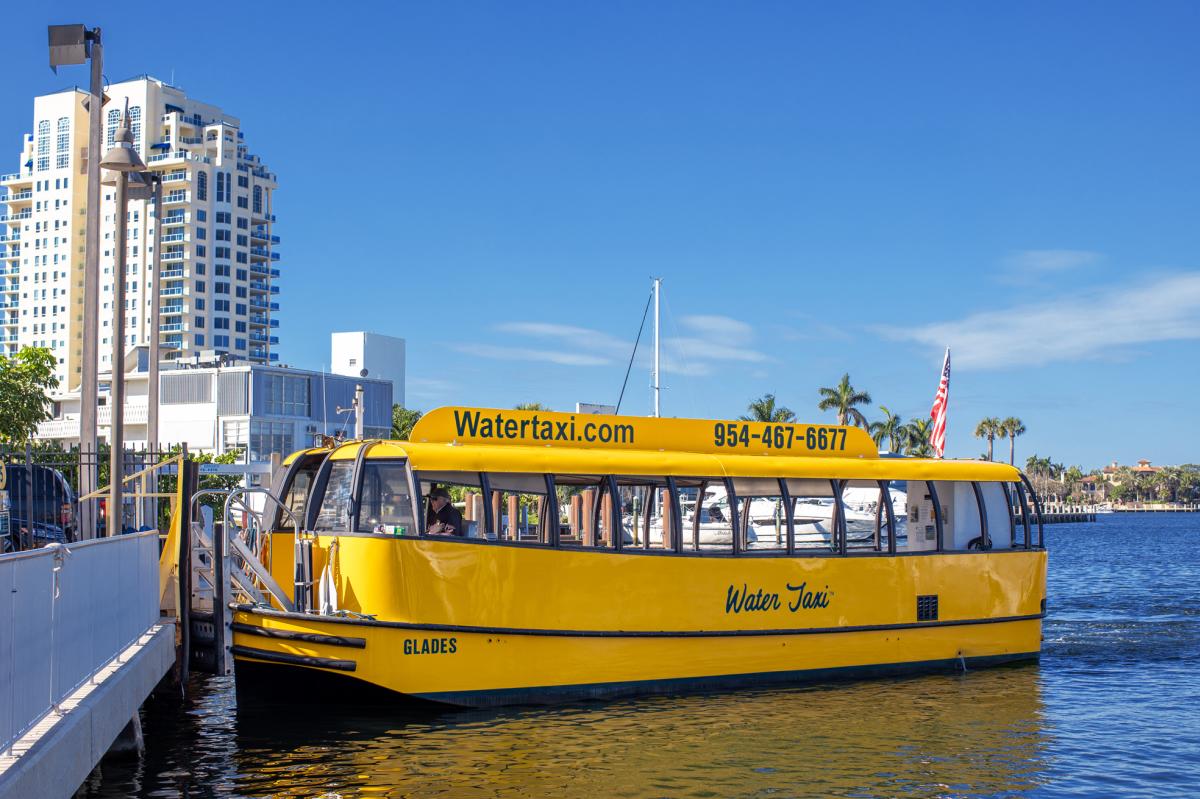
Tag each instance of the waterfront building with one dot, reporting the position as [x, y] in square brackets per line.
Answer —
[218, 255]
[216, 405]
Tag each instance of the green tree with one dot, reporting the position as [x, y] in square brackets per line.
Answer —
[25, 382]
[988, 428]
[1071, 478]
[891, 428]
[531, 406]
[843, 398]
[403, 421]
[764, 409]
[1012, 427]
[917, 434]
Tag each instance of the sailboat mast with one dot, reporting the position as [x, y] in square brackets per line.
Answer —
[657, 348]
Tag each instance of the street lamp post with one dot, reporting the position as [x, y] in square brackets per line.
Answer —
[74, 44]
[153, 192]
[122, 159]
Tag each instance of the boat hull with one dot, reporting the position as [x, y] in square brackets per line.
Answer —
[476, 623]
[476, 669]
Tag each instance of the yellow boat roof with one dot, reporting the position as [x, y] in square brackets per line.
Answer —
[457, 439]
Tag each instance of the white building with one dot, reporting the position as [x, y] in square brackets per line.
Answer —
[381, 356]
[214, 406]
[218, 252]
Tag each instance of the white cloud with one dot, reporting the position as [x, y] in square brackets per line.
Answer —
[1029, 265]
[562, 358]
[1085, 326]
[714, 339]
[719, 327]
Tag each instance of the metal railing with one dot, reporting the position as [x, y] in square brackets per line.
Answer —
[65, 613]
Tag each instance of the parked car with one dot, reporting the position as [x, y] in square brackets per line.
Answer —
[50, 517]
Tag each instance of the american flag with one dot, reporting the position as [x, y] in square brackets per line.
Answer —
[937, 437]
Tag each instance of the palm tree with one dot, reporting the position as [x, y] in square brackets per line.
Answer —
[988, 428]
[917, 434]
[530, 406]
[891, 428]
[764, 409]
[842, 399]
[1012, 427]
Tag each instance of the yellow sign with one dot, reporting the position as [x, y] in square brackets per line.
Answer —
[596, 431]
[3, 476]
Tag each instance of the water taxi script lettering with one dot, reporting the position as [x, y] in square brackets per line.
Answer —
[799, 598]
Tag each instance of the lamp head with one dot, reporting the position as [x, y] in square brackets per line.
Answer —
[123, 157]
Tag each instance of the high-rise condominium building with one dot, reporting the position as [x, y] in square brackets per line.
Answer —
[218, 258]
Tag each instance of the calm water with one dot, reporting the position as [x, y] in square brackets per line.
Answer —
[1113, 709]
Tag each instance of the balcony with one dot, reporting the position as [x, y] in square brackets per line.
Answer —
[179, 155]
[173, 342]
[259, 285]
[260, 269]
[173, 291]
[175, 197]
[274, 323]
[175, 219]
[9, 176]
[171, 274]
[13, 237]
[274, 289]
[257, 336]
[274, 273]
[170, 237]
[15, 217]
[172, 327]
[19, 197]
[258, 352]
[16, 253]
[260, 303]
[177, 255]
[175, 175]
[260, 252]
[174, 309]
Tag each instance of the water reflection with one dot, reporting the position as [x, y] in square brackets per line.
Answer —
[977, 734]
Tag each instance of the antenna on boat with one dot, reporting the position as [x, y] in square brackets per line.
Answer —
[657, 348]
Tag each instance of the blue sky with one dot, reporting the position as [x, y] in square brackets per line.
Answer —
[824, 189]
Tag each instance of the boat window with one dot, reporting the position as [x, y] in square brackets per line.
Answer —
[520, 508]
[297, 480]
[919, 533]
[813, 513]
[586, 514]
[647, 509]
[763, 514]
[866, 518]
[466, 496]
[385, 503]
[960, 515]
[998, 519]
[334, 513]
[704, 511]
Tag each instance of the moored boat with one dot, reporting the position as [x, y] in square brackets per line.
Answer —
[555, 597]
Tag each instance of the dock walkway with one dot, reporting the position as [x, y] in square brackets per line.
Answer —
[82, 644]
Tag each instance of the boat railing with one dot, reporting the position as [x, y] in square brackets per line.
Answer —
[227, 567]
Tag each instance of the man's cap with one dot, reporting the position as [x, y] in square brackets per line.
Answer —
[439, 492]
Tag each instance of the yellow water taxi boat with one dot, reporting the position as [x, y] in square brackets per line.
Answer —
[526, 556]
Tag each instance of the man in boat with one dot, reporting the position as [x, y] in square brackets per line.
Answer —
[443, 517]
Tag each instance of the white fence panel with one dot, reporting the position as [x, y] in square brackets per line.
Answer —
[57, 630]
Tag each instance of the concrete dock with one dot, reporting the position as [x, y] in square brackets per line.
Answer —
[82, 644]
